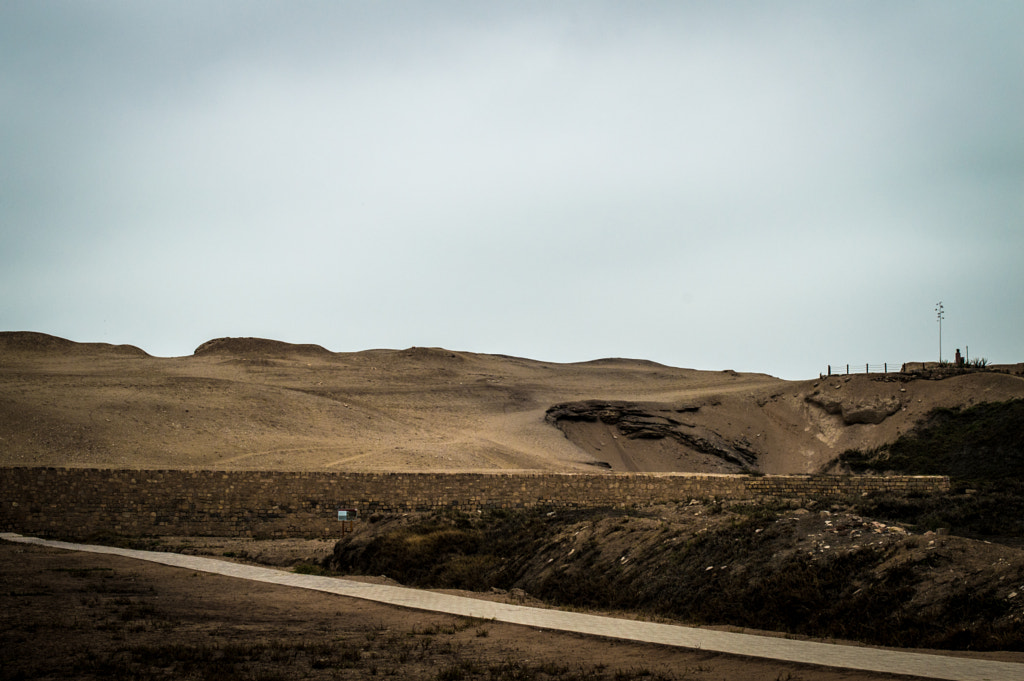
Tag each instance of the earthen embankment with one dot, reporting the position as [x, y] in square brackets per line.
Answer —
[78, 502]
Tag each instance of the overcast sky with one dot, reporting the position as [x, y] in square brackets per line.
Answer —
[732, 185]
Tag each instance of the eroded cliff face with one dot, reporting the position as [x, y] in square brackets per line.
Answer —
[637, 437]
[791, 428]
[872, 410]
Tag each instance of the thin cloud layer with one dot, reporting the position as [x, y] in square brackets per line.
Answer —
[737, 186]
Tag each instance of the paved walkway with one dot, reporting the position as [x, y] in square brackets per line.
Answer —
[806, 652]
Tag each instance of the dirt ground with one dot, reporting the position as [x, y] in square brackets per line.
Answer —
[76, 615]
[253, 404]
[258, 404]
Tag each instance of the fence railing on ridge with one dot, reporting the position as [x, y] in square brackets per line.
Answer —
[866, 368]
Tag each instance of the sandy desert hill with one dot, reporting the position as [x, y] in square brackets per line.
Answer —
[246, 403]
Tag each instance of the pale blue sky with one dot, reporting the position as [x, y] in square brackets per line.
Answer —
[733, 185]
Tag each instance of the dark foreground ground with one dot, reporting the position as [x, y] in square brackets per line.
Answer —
[66, 615]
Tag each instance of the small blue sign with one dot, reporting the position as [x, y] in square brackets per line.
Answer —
[347, 514]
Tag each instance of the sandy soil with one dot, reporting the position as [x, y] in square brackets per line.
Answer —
[76, 615]
[257, 404]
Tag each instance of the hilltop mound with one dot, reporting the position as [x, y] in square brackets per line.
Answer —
[258, 346]
[34, 342]
[433, 355]
[620, 362]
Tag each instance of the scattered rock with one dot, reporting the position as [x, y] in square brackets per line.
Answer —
[872, 412]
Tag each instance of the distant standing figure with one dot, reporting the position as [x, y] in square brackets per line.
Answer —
[959, 359]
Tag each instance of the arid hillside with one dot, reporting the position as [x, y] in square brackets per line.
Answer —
[243, 403]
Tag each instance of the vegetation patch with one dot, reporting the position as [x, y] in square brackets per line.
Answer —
[825, 574]
[980, 443]
[982, 450]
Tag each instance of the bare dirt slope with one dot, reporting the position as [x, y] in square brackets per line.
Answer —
[246, 403]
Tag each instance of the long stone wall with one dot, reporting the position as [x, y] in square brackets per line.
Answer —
[77, 502]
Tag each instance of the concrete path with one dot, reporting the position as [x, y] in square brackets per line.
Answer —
[806, 652]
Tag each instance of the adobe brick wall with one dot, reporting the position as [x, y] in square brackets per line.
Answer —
[77, 502]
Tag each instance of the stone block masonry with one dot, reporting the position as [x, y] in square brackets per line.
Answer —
[79, 502]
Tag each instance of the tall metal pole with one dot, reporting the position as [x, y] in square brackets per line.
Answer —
[940, 313]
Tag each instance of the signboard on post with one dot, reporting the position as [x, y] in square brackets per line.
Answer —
[347, 517]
